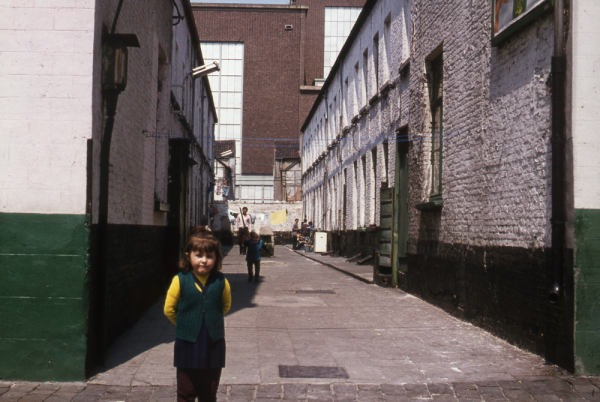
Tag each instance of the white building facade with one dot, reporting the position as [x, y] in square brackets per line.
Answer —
[349, 138]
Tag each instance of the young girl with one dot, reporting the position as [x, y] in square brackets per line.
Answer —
[198, 298]
[253, 247]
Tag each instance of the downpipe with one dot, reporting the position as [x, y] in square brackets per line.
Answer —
[558, 221]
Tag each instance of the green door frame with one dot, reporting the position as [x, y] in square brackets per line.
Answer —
[400, 227]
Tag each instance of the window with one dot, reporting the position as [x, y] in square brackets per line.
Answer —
[226, 86]
[387, 58]
[373, 182]
[376, 61]
[365, 87]
[363, 210]
[355, 197]
[509, 16]
[357, 94]
[345, 100]
[338, 24]
[435, 86]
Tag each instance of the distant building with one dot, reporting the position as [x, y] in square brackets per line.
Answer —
[107, 161]
[273, 58]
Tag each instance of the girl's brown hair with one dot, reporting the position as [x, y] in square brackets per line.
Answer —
[202, 240]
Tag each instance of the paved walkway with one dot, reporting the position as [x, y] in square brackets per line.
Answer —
[308, 332]
[361, 272]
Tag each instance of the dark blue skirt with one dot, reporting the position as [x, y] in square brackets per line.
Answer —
[202, 354]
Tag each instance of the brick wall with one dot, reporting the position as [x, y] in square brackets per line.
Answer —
[45, 119]
[271, 72]
[496, 169]
[484, 255]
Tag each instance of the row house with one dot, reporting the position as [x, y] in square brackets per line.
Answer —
[352, 134]
[485, 201]
[107, 160]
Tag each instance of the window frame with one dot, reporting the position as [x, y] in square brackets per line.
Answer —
[436, 107]
[520, 19]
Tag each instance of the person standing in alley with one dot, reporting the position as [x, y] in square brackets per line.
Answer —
[197, 299]
[295, 234]
[254, 245]
[305, 229]
[242, 227]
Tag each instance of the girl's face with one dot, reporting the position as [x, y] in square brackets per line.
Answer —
[201, 263]
[254, 238]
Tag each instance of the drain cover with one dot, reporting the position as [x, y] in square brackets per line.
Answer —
[312, 372]
[324, 291]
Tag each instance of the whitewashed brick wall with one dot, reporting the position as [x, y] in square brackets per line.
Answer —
[323, 203]
[586, 104]
[497, 160]
[46, 60]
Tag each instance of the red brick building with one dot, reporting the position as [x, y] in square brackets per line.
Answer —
[283, 49]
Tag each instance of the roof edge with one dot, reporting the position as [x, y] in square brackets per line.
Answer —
[362, 17]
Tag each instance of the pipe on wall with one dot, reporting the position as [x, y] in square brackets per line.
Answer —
[559, 212]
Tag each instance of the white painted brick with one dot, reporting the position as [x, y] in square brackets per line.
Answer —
[26, 19]
[8, 4]
[64, 3]
[72, 63]
[50, 86]
[51, 132]
[26, 109]
[15, 41]
[74, 19]
[34, 200]
[58, 41]
[25, 63]
[15, 86]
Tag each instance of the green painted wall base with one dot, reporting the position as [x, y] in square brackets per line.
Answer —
[587, 291]
[44, 296]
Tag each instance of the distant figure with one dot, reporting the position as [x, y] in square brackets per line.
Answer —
[254, 245]
[243, 223]
[311, 227]
[295, 232]
[305, 230]
[197, 299]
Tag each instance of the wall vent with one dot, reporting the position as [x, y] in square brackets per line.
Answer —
[289, 27]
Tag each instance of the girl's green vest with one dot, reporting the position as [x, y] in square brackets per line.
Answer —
[195, 305]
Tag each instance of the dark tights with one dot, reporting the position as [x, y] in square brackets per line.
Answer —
[200, 383]
[256, 266]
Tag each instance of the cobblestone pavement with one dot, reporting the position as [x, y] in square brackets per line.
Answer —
[542, 390]
[353, 341]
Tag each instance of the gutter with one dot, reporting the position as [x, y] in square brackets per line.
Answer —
[559, 200]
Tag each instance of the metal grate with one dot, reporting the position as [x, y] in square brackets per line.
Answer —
[323, 291]
[312, 372]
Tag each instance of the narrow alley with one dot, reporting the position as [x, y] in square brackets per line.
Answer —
[309, 332]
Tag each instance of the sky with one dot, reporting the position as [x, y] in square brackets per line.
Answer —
[244, 1]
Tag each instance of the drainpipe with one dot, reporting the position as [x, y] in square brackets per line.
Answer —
[559, 64]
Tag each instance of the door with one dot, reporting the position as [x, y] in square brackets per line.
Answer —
[386, 234]
[401, 205]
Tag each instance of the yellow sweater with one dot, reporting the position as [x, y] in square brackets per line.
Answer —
[174, 294]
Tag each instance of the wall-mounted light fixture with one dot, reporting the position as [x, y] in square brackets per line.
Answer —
[205, 69]
[114, 60]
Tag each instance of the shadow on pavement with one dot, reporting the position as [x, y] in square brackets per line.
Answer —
[242, 292]
[151, 331]
[226, 250]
